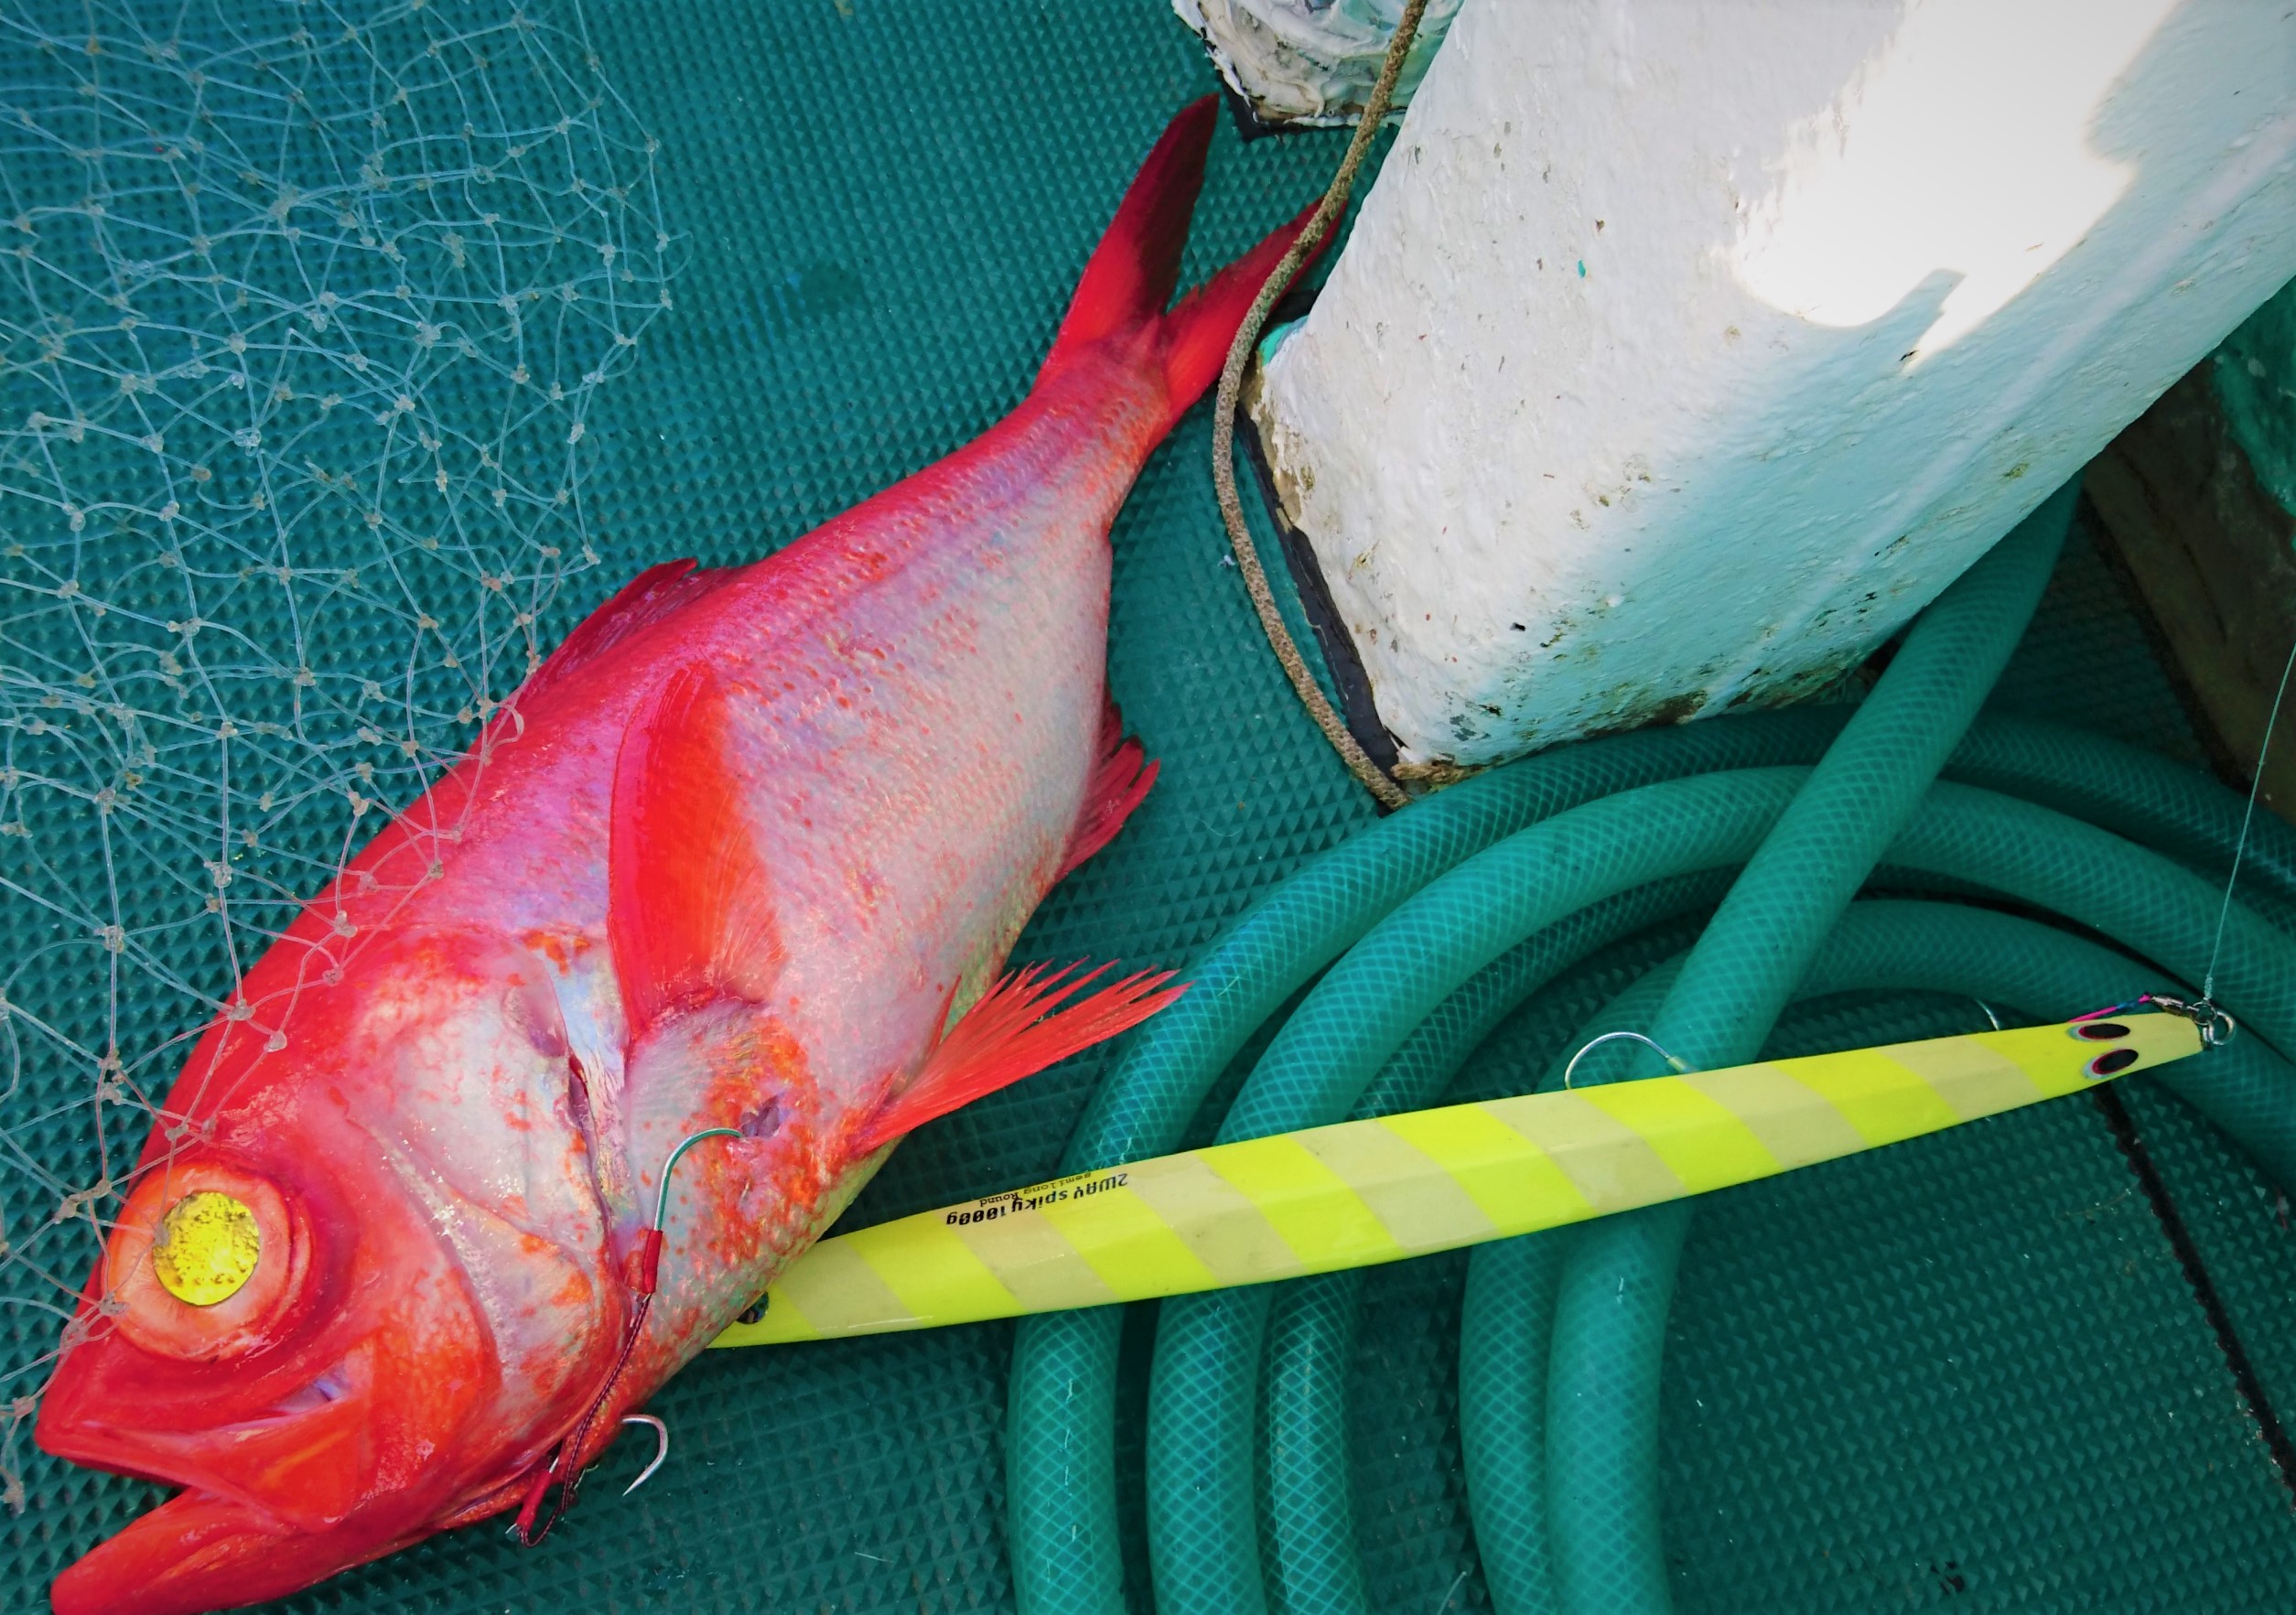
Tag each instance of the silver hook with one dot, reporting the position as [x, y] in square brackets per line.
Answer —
[1573, 1069]
[1996, 1019]
[661, 1198]
[661, 1447]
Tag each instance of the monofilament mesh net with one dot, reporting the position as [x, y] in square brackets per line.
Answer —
[303, 308]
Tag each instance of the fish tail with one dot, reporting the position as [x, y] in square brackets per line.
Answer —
[1134, 269]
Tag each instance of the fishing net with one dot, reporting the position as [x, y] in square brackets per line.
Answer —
[303, 308]
[1971, 1370]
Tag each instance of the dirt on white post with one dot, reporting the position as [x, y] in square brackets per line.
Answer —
[1683, 351]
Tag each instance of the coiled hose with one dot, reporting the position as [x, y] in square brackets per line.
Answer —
[1431, 926]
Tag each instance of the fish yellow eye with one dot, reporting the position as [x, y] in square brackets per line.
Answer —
[207, 1247]
[209, 1260]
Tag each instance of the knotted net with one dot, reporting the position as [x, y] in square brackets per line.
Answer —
[304, 310]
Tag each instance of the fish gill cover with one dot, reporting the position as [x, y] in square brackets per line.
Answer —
[303, 307]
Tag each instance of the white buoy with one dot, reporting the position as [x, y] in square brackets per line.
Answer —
[1684, 351]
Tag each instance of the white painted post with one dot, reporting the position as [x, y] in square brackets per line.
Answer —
[1686, 349]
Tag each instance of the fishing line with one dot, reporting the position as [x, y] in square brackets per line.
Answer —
[2247, 818]
[2215, 1029]
[564, 1461]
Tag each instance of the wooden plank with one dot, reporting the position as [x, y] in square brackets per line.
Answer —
[2213, 555]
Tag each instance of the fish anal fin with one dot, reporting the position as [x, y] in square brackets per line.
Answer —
[645, 599]
[689, 911]
[1019, 1026]
[1120, 783]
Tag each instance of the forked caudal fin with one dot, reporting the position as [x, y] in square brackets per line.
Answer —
[1019, 1026]
[1136, 266]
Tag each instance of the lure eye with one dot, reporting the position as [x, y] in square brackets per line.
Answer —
[207, 1248]
[206, 1261]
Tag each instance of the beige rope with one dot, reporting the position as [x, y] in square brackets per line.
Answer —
[1359, 763]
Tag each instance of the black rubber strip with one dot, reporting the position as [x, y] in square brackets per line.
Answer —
[1351, 684]
[2197, 1274]
[1249, 125]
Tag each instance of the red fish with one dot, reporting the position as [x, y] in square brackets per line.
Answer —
[741, 860]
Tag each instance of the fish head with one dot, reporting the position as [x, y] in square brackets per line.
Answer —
[295, 1410]
[348, 1306]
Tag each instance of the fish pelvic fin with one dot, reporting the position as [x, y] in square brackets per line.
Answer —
[1017, 1028]
[1120, 783]
[1132, 273]
[689, 913]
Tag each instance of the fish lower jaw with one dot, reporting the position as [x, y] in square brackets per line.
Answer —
[217, 1545]
[199, 1552]
[318, 1421]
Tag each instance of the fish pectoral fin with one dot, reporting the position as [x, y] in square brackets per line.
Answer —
[689, 911]
[1019, 1026]
[1120, 783]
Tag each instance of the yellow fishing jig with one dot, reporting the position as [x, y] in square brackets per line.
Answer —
[1364, 1192]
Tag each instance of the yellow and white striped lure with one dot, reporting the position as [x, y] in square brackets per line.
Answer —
[1364, 1192]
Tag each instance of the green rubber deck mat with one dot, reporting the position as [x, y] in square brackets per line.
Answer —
[1965, 1372]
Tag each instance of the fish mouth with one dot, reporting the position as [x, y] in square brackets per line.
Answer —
[292, 1466]
[274, 1499]
[271, 1504]
[199, 1552]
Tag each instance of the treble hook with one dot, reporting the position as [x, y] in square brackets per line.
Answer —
[661, 1447]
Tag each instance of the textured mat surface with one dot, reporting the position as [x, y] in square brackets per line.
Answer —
[1965, 1372]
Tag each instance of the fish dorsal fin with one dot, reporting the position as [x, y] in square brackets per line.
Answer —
[646, 598]
[1120, 783]
[689, 911]
[1019, 1026]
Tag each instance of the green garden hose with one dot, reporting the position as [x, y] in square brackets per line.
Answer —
[1311, 1561]
[1203, 1393]
[1617, 1278]
[1202, 1397]
[1060, 1438]
[1426, 980]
